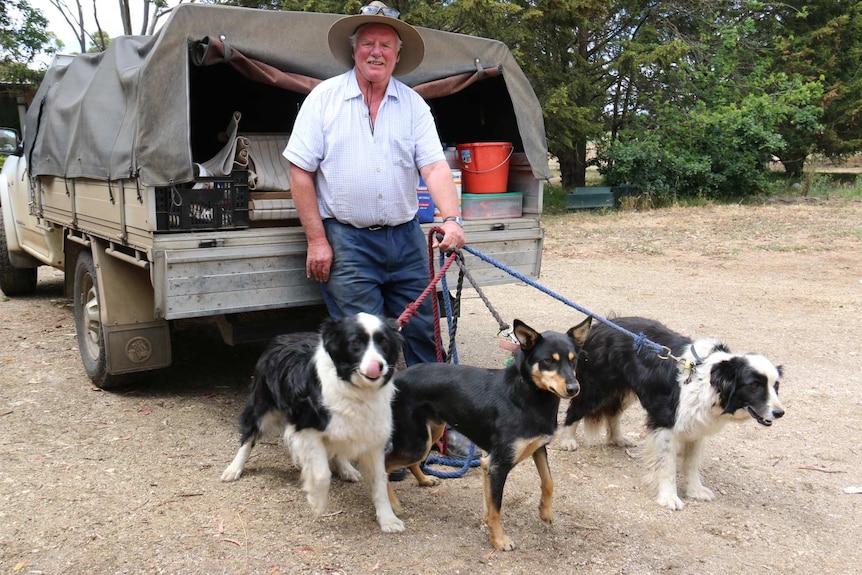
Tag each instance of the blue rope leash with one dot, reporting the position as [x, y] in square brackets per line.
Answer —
[463, 464]
[640, 340]
[447, 303]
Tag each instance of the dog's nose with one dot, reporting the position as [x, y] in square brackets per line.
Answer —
[573, 389]
[777, 413]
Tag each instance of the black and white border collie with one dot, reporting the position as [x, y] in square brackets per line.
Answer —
[685, 401]
[330, 393]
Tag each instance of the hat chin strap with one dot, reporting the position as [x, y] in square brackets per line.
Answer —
[369, 95]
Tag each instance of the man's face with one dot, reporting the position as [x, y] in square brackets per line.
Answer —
[376, 52]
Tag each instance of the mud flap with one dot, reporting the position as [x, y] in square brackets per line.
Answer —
[134, 339]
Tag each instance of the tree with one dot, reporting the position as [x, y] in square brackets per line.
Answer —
[75, 19]
[101, 41]
[646, 73]
[708, 120]
[628, 73]
[152, 11]
[23, 36]
[566, 54]
[822, 41]
[715, 149]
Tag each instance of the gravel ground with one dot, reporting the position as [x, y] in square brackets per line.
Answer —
[128, 481]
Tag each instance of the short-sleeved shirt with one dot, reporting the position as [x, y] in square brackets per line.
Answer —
[362, 178]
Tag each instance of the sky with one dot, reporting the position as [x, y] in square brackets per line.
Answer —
[109, 18]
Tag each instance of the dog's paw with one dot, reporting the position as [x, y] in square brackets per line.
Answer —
[503, 543]
[700, 492]
[232, 473]
[431, 481]
[346, 471]
[422, 478]
[350, 475]
[391, 524]
[566, 443]
[317, 506]
[428, 481]
[318, 498]
[622, 441]
[670, 500]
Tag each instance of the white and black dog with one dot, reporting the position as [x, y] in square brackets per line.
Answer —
[330, 392]
[685, 401]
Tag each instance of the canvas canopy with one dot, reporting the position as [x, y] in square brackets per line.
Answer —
[150, 106]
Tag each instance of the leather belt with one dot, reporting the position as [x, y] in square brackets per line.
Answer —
[376, 228]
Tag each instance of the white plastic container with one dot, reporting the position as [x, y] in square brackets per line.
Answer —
[456, 175]
[492, 206]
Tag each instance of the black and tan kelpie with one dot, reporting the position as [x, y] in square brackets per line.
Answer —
[510, 413]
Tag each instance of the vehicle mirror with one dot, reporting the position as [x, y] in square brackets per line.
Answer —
[8, 141]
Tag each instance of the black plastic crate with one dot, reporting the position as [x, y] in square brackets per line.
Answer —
[210, 203]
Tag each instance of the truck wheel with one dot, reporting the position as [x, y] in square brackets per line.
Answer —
[14, 281]
[88, 324]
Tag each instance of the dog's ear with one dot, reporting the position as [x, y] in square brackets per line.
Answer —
[392, 324]
[580, 332]
[724, 376]
[328, 333]
[394, 332]
[525, 335]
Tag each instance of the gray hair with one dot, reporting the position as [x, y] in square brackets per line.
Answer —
[356, 33]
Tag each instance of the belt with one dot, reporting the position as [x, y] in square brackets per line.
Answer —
[378, 227]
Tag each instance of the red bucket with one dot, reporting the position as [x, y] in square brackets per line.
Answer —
[485, 166]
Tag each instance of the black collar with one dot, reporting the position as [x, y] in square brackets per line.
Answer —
[697, 359]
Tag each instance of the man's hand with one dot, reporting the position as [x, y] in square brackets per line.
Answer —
[318, 262]
[453, 238]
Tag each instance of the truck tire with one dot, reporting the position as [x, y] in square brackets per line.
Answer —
[88, 324]
[14, 281]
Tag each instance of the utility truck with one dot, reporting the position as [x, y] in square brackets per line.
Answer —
[151, 174]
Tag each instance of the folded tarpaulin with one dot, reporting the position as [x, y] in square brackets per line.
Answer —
[268, 169]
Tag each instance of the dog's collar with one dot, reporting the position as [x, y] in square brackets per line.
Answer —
[697, 359]
[690, 365]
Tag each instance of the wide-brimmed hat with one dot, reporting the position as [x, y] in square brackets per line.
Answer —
[412, 46]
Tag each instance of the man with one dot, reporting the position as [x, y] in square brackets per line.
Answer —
[357, 144]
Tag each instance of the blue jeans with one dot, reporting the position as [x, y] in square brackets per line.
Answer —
[381, 272]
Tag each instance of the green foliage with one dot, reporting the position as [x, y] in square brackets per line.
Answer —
[23, 36]
[822, 41]
[832, 188]
[554, 199]
[656, 171]
[100, 42]
[566, 51]
[711, 151]
[686, 99]
[826, 186]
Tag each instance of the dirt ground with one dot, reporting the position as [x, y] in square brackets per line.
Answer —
[128, 481]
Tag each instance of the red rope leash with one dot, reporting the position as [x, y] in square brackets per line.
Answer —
[412, 309]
